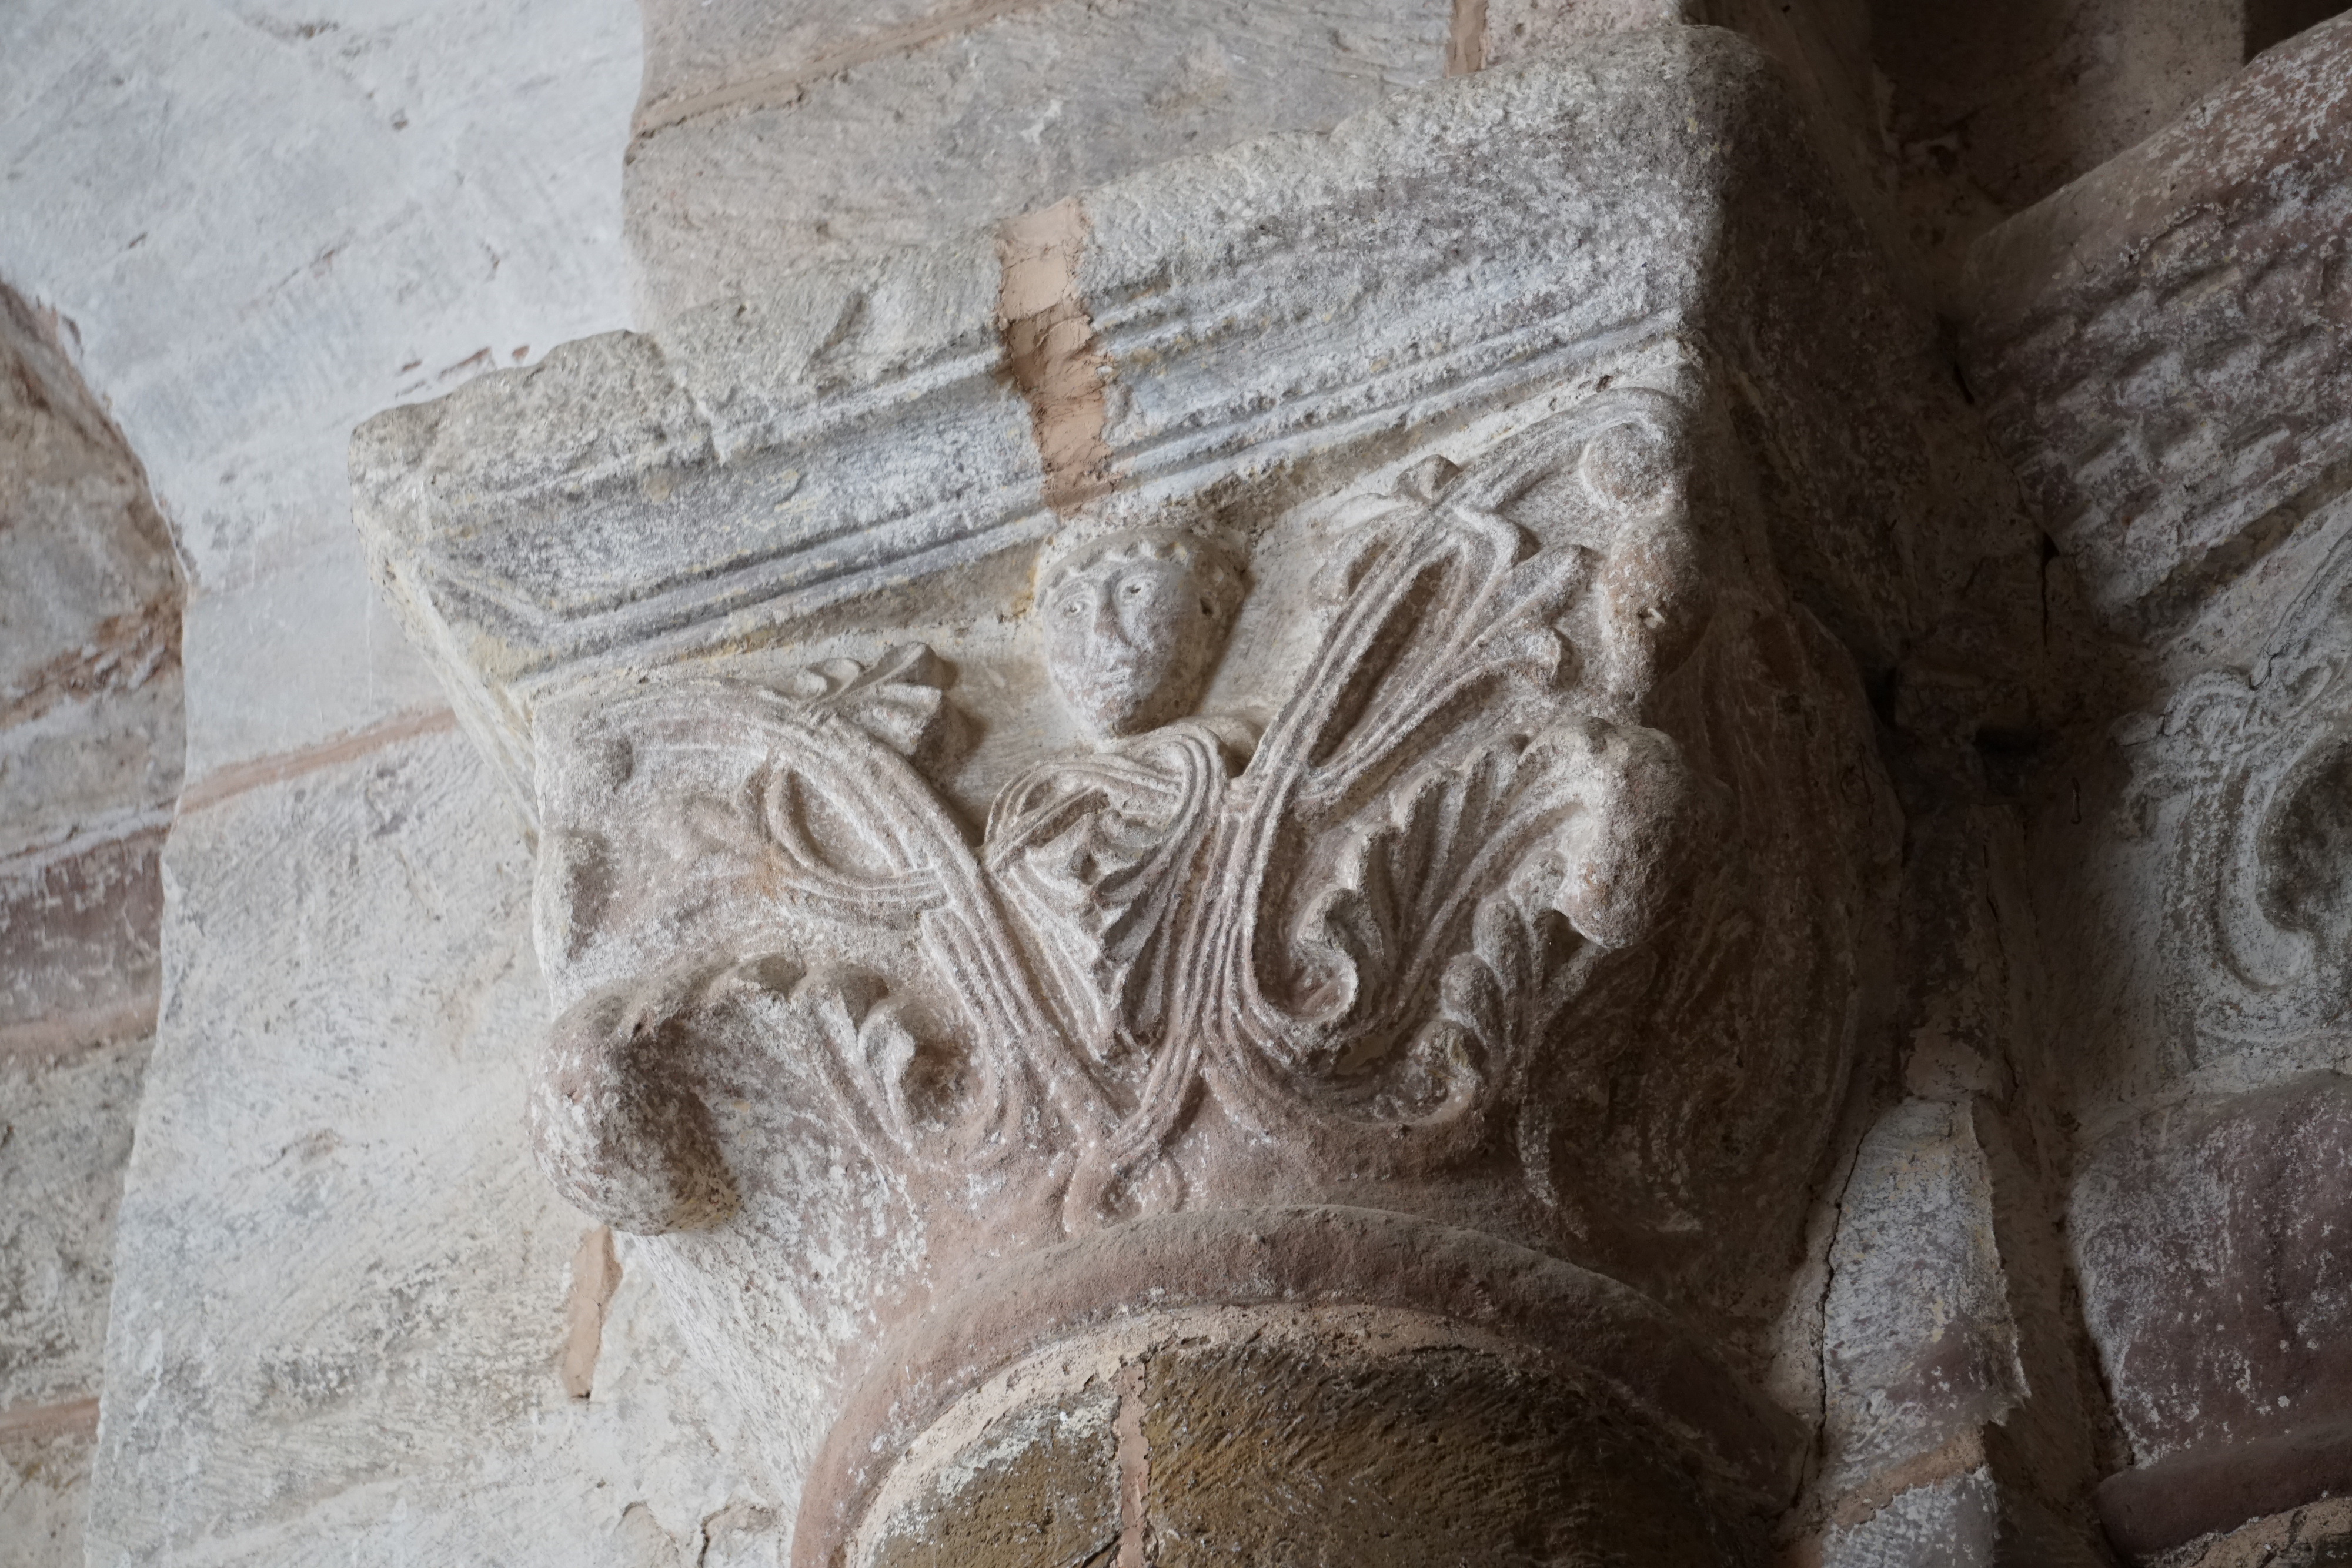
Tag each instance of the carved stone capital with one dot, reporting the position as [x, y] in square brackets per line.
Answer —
[1368, 855]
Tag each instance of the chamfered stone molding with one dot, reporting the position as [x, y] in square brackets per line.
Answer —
[2164, 347]
[1266, 743]
[1284, 318]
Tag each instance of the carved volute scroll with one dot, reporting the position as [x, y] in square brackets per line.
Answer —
[1538, 903]
[2255, 767]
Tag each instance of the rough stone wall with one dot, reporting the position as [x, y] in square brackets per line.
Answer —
[90, 764]
[263, 223]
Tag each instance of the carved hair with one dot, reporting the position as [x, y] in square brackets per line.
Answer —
[1214, 564]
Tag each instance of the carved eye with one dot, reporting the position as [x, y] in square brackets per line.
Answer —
[1070, 608]
[1133, 590]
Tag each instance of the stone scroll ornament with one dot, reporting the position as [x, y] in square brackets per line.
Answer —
[1351, 932]
[2255, 767]
[1538, 902]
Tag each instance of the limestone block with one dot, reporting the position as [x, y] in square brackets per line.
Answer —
[90, 759]
[1824, 45]
[2220, 912]
[65, 1134]
[85, 770]
[772, 139]
[339, 1312]
[88, 589]
[1951, 1522]
[2218, 1286]
[295, 659]
[90, 706]
[2301, 1538]
[77, 943]
[1954, 1429]
[1920, 1345]
[1971, 1518]
[67, 1124]
[2164, 346]
[2207, 1049]
[1992, 109]
[43, 1497]
[429, 191]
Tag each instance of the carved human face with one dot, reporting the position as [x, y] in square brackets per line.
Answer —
[1129, 640]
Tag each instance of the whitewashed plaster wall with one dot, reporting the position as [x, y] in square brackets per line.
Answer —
[339, 1322]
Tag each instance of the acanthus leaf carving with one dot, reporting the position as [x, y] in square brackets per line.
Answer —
[1359, 933]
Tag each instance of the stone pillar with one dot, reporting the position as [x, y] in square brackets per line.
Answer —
[1212, 868]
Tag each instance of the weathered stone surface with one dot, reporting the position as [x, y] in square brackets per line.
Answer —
[1356, 1353]
[65, 1132]
[65, 1135]
[259, 222]
[2319, 1536]
[1922, 1347]
[2164, 347]
[43, 1485]
[2194, 953]
[1961, 1419]
[2200, 882]
[1988, 110]
[2208, 896]
[1987, 1513]
[2218, 1283]
[394, 197]
[90, 733]
[1296, 1437]
[89, 608]
[1261, 1456]
[77, 944]
[1952, 1521]
[91, 746]
[339, 1311]
[2025, 97]
[1955, 1427]
[1041, 1483]
[772, 139]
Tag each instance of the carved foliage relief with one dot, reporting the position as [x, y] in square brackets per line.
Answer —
[1541, 901]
